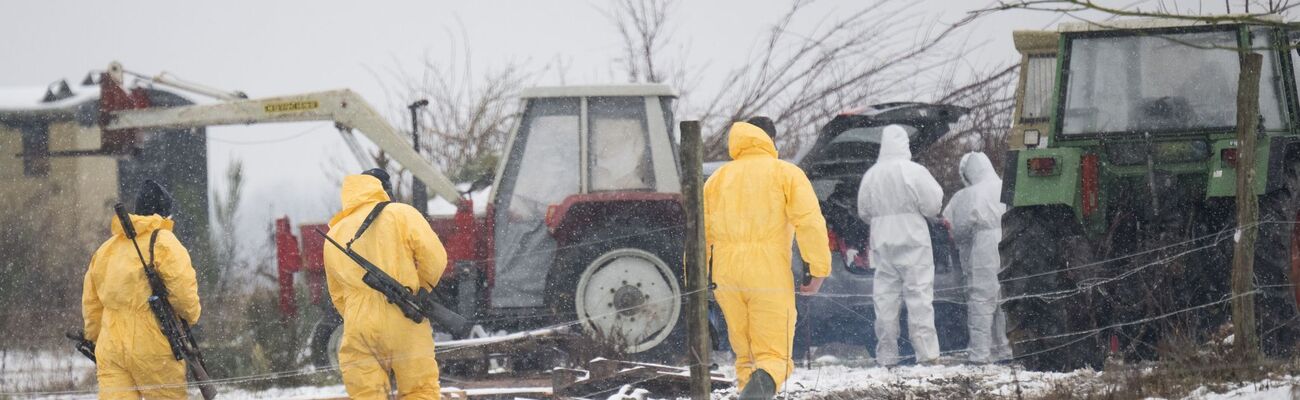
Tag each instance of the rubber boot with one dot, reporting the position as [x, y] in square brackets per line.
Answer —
[760, 387]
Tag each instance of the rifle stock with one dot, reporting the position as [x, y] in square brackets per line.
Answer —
[85, 347]
[198, 367]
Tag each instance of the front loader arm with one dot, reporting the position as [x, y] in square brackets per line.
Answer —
[344, 107]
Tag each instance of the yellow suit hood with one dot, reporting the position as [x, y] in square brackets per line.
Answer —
[745, 139]
[144, 224]
[358, 190]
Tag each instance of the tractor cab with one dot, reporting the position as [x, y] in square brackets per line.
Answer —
[585, 213]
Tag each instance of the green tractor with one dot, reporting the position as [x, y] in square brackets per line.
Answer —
[1121, 183]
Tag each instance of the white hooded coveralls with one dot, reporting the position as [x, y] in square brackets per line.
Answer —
[975, 213]
[896, 197]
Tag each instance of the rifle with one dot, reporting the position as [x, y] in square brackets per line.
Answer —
[415, 306]
[175, 329]
[86, 347]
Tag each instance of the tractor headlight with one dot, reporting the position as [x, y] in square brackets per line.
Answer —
[1032, 138]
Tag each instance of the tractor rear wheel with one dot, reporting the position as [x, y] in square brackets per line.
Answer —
[1038, 245]
[619, 286]
[1276, 261]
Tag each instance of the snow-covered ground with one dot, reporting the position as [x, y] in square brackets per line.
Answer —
[28, 371]
[47, 375]
[1265, 390]
[957, 381]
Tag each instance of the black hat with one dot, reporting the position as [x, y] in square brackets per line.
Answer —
[765, 124]
[382, 175]
[153, 199]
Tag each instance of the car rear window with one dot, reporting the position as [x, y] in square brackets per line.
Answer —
[852, 144]
[869, 134]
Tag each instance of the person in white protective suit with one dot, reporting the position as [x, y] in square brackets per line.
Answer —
[895, 198]
[975, 213]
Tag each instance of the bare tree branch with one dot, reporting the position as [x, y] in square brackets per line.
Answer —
[989, 97]
[1075, 6]
[644, 26]
[470, 112]
[802, 80]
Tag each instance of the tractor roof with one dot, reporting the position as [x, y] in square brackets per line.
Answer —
[1149, 23]
[647, 89]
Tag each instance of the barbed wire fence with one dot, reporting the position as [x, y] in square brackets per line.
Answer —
[1055, 295]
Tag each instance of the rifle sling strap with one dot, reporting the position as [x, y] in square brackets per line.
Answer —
[153, 238]
[365, 224]
[712, 285]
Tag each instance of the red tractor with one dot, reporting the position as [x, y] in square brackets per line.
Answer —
[583, 222]
[582, 227]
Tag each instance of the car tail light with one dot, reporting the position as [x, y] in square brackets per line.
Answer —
[834, 240]
[1229, 157]
[1042, 166]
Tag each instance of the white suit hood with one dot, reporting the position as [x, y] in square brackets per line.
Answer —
[894, 144]
[976, 168]
[979, 205]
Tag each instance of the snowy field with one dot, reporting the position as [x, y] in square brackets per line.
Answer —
[25, 371]
[982, 382]
[45, 376]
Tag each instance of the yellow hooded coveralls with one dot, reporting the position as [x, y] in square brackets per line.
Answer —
[377, 339]
[750, 206]
[133, 357]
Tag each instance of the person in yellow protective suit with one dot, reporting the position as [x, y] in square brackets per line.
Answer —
[133, 357]
[378, 341]
[752, 206]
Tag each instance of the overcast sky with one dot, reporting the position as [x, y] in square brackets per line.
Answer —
[282, 47]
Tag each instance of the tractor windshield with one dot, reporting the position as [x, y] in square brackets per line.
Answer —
[619, 144]
[1161, 83]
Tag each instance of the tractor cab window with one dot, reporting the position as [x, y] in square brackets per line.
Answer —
[541, 171]
[619, 145]
[1040, 71]
[546, 171]
[1270, 81]
[1159, 83]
